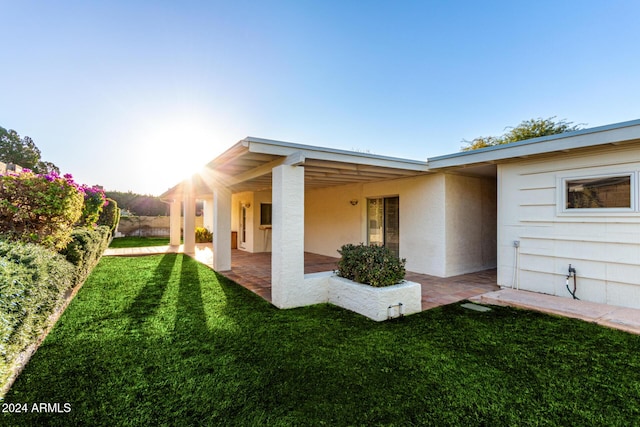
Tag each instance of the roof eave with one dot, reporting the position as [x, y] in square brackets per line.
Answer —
[584, 138]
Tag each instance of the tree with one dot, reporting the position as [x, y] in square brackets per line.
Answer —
[527, 129]
[139, 204]
[23, 152]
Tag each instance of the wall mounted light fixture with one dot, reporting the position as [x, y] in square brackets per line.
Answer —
[353, 202]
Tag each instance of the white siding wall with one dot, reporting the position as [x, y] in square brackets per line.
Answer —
[603, 247]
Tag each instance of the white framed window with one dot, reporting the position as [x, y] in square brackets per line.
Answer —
[606, 193]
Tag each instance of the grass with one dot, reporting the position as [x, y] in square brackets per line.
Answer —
[138, 242]
[163, 340]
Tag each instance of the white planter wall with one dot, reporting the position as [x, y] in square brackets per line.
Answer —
[367, 300]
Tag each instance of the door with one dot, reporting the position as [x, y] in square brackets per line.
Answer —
[383, 222]
[243, 225]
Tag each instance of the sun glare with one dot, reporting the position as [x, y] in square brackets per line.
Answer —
[174, 150]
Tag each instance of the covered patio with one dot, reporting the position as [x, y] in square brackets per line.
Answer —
[253, 271]
[229, 187]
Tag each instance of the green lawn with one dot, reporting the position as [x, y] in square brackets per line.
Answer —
[138, 242]
[163, 340]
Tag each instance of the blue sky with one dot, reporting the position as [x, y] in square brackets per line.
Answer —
[135, 95]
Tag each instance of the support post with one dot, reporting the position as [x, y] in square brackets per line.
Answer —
[287, 257]
[189, 237]
[174, 223]
[221, 229]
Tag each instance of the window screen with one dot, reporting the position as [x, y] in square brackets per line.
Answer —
[601, 192]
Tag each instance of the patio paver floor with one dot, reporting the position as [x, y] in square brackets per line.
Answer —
[253, 271]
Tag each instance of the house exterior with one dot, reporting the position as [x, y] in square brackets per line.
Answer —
[530, 209]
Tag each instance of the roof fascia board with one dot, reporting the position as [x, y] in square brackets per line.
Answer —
[265, 146]
[610, 134]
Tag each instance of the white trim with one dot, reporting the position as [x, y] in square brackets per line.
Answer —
[602, 135]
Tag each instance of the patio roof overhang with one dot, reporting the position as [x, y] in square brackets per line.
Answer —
[247, 166]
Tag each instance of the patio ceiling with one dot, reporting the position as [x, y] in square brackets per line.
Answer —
[247, 167]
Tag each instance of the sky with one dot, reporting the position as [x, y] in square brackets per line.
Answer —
[136, 95]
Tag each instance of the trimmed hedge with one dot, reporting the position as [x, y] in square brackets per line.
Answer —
[33, 283]
[110, 215]
[372, 265]
[86, 248]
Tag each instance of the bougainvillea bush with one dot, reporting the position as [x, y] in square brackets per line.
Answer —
[44, 208]
[40, 209]
[94, 202]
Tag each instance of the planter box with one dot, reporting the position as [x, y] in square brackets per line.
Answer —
[376, 303]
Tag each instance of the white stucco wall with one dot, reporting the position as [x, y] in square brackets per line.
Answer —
[262, 236]
[604, 247]
[440, 234]
[331, 220]
[258, 238]
[237, 200]
[422, 220]
[447, 222]
[470, 224]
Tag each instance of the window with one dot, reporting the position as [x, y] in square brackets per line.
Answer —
[265, 213]
[603, 192]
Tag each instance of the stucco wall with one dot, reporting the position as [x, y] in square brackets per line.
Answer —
[258, 238]
[262, 235]
[470, 224]
[439, 235]
[422, 220]
[237, 200]
[331, 220]
[447, 222]
[604, 247]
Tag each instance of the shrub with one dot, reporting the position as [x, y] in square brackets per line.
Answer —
[33, 282]
[110, 215]
[94, 202]
[86, 248]
[370, 264]
[39, 208]
[203, 235]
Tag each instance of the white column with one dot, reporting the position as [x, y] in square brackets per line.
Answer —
[221, 229]
[287, 257]
[207, 214]
[189, 237]
[174, 223]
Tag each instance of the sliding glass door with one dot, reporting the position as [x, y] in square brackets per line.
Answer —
[383, 222]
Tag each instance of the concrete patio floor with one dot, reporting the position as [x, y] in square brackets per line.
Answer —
[253, 271]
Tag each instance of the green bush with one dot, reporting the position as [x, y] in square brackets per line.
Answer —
[33, 282]
[39, 209]
[86, 248]
[94, 201]
[373, 265]
[110, 215]
[203, 235]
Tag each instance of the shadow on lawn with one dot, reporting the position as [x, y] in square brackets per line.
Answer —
[148, 300]
[190, 314]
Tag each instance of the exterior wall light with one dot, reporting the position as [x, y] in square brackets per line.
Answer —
[353, 202]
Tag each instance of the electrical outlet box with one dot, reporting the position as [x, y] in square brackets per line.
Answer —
[516, 243]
